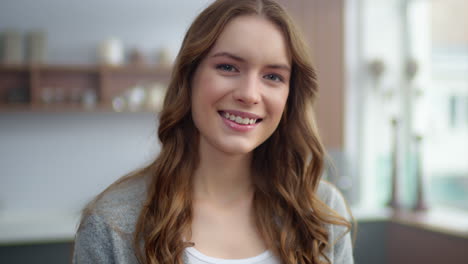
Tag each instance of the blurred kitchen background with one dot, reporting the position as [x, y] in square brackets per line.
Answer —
[81, 84]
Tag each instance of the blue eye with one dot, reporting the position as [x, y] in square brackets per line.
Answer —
[226, 67]
[274, 77]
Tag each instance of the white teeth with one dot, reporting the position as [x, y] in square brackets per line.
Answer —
[239, 120]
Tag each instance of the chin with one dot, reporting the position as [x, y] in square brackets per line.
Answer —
[237, 149]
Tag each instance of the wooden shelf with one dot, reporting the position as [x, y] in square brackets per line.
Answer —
[65, 108]
[14, 68]
[67, 68]
[141, 69]
[35, 83]
[137, 69]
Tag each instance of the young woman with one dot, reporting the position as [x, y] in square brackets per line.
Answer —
[238, 176]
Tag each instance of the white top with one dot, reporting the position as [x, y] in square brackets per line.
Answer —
[193, 256]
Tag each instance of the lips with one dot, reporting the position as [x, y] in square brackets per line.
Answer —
[241, 118]
[241, 123]
[241, 114]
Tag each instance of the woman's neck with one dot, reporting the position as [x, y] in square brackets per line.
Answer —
[222, 178]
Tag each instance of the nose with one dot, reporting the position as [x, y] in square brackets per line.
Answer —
[248, 91]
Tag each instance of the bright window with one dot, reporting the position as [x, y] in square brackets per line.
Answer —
[413, 67]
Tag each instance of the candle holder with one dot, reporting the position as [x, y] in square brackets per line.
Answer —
[421, 203]
[394, 201]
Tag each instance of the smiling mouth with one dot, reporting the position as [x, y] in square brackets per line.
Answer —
[239, 119]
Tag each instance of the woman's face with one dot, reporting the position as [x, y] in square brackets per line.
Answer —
[240, 88]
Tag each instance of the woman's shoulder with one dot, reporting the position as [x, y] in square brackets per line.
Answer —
[333, 198]
[105, 234]
[119, 206]
[339, 235]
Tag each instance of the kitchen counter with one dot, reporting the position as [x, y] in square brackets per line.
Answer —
[44, 227]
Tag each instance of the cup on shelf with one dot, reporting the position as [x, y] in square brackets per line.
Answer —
[59, 95]
[111, 52]
[74, 95]
[156, 94]
[136, 97]
[164, 57]
[136, 58]
[12, 48]
[119, 104]
[17, 95]
[89, 98]
[47, 95]
[36, 46]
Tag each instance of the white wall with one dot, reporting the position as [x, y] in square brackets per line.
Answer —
[58, 161]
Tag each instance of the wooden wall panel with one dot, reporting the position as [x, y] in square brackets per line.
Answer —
[322, 22]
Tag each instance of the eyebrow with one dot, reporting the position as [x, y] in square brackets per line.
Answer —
[239, 59]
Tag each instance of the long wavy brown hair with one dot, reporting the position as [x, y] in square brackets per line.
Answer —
[287, 167]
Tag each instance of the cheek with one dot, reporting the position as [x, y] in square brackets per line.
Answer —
[280, 107]
[207, 91]
[208, 87]
[201, 86]
[279, 103]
